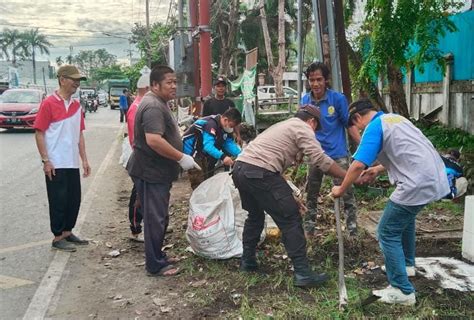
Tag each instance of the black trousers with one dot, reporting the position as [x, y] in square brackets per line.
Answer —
[154, 201]
[64, 197]
[135, 212]
[123, 114]
[262, 190]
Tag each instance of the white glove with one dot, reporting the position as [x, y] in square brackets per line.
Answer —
[187, 162]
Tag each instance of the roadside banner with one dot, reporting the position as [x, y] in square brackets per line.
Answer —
[246, 84]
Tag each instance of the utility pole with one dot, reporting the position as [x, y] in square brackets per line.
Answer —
[300, 48]
[317, 31]
[44, 82]
[129, 51]
[341, 40]
[147, 12]
[193, 19]
[205, 47]
[336, 81]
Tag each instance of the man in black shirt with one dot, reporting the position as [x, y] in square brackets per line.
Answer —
[219, 103]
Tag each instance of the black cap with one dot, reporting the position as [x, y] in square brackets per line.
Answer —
[220, 79]
[358, 106]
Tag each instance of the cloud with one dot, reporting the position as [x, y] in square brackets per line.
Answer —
[69, 23]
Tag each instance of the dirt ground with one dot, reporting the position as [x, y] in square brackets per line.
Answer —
[99, 286]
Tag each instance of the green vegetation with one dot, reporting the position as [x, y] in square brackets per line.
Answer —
[444, 138]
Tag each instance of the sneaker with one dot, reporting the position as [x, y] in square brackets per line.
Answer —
[137, 237]
[76, 240]
[411, 271]
[393, 295]
[63, 245]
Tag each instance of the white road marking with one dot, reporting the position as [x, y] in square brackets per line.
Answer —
[25, 246]
[10, 282]
[40, 302]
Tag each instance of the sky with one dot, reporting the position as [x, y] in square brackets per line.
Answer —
[84, 25]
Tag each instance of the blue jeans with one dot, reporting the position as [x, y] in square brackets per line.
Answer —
[396, 234]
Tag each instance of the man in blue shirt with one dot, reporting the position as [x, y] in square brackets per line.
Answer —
[209, 140]
[416, 169]
[123, 104]
[332, 137]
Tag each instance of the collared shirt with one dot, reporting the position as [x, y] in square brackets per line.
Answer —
[62, 125]
[334, 120]
[277, 147]
[412, 163]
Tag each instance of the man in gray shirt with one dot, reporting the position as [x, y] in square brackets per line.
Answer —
[154, 165]
[418, 172]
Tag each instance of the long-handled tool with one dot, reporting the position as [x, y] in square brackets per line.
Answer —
[341, 281]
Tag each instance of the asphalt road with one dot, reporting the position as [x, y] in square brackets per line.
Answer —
[25, 237]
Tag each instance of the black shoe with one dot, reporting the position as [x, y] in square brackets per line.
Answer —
[310, 280]
[76, 240]
[63, 245]
[248, 266]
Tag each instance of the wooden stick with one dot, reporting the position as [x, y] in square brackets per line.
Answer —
[340, 239]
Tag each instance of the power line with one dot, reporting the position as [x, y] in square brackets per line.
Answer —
[90, 45]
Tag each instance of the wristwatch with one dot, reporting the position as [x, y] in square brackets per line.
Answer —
[44, 160]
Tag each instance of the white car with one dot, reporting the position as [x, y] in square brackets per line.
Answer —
[102, 98]
[268, 92]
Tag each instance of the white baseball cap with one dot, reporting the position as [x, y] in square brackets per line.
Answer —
[143, 81]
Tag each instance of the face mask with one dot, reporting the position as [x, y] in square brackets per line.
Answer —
[228, 130]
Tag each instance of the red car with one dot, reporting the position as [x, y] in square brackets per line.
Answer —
[18, 107]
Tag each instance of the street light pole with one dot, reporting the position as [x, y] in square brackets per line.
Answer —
[147, 12]
[317, 31]
[300, 48]
[205, 47]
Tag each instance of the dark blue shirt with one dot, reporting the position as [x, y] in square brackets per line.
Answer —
[334, 120]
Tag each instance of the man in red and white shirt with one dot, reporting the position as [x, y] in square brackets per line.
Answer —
[134, 211]
[59, 125]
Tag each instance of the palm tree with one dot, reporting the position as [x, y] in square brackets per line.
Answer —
[35, 40]
[14, 41]
[3, 47]
[59, 61]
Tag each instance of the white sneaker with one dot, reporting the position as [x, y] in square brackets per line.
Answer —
[411, 271]
[393, 295]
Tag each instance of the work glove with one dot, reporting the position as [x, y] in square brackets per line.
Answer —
[187, 163]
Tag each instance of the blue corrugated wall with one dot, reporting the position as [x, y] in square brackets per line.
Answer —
[461, 45]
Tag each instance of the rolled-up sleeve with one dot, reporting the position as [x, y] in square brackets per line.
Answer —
[312, 150]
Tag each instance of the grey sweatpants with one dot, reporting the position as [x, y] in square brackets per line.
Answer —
[154, 199]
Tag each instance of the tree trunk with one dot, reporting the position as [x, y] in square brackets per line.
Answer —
[396, 91]
[227, 35]
[280, 68]
[369, 89]
[34, 64]
[266, 36]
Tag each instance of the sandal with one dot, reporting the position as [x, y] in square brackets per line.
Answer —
[173, 259]
[166, 271]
